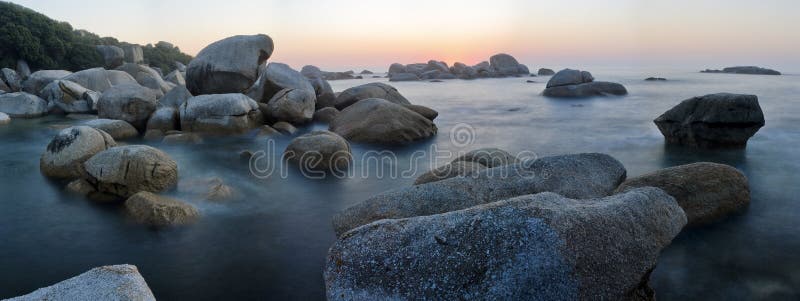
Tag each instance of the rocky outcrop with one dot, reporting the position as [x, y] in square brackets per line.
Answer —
[541, 246]
[70, 97]
[220, 114]
[39, 79]
[706, 191]
[72, 146]
[714, 120]
[159, 211]
[501, 65]
[295, 106]
[22, 105]
[11, 80]
[463, 71]
[403, 77]
[325, 97]
[118, 129]
[276, 77]
[744, 70]
[576, 83]
[147, 77]
[319, 151]
[545, 72]
[580, 176]
[113, 56]
[114, 282]
[99, 79]
[371, 90]
[505, 65]
[122, 171]
[229, 65]
[129, 102]
[380, 121]
[133, 54]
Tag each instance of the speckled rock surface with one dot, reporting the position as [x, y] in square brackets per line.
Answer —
[155, 210]
[114, 282]
[706, 191]
[122, 171]
[576, 176]
[129, 102]
[533, 247]
[72, 146]
[118, 129]
[22, 105]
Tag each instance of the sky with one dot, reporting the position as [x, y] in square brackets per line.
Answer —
[345, 34]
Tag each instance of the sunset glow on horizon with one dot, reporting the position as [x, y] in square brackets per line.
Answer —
[338, 35]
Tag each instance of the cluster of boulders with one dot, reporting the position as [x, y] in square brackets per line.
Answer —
[549, 228]
[744, 70]
[314, 71]
[712, 121]
[499, 65]
[577, 83]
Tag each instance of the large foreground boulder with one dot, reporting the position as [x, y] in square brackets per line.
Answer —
[114, 282]
[122, 171]
[129, 102]
[220, 114]
[99, 79]
[276, 77]
[533, 247]
[37, 80]
[579, 176]
[70, 97]
[576, 83]
[155, 210]
[72, 146]
[22, 105]
[113, 56]
[380, 121]
[319, 151]
[706, 191]
[229, 65]
[714, 120]
[366, 91]
[292, 105]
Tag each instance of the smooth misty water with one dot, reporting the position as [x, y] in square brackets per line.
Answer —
[271, 242]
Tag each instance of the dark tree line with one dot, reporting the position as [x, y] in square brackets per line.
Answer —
[49, 44]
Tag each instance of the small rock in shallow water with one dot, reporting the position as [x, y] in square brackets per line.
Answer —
[319, 151]
[655, 79]
[211, 189]
[155, 210]
[80, 187]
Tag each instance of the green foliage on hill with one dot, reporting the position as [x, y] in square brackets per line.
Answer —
[48, 44]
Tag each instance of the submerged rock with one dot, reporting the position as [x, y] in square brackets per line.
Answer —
[129, 102]
[706, 191]
[380, 121]
[220, 114]
[118, 129]
[155, 210]
[122, 171]
[114, 282]
[72, 146]
[319, 151]
[182, 138]
[229, 65]
[22, 105]
[651, 79]
[541, 246]
[284, 128]
[372, 90]
[210, 189]
[580, 176]
[714, 120]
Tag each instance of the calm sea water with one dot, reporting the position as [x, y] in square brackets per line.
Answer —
[271, 242]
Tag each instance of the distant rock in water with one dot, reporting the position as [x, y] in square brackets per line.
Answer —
[714, 120]
[403, 77]
[366, 72]
[533, 247]
[379, 121]
[545, 72]
[655, 79]
[744, 70]
[229, 65]
[114, 282]
[499, 65]
[575, 83]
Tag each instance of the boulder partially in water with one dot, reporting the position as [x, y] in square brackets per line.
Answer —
[489, 156]
[714, 120]
[159, 211]
[706, 191]
[579, 176]
[319, 151]
[129, 102]
[118, 129]
[122, 171]
[72, 146]
[545, 72]
[372, 90]
[114, 282]
[576, 83]
[403, 77]
[229, 65]
[22, 105]
[505, 64]
[543, 246]
[380, 121]
[4, 119]
[220, 114]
